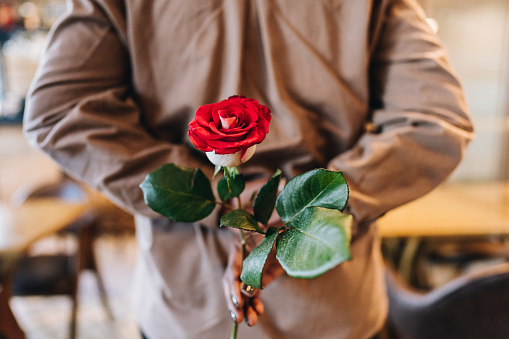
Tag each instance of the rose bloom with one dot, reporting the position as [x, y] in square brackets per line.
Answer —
[229, 130]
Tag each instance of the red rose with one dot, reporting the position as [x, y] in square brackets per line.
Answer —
[230, 126]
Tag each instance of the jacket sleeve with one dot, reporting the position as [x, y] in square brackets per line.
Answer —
[82, 113]
[420, 124]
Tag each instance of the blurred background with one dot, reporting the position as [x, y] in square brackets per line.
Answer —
[476, 35]
[24, 27]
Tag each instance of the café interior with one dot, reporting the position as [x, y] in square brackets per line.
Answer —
[447, 253]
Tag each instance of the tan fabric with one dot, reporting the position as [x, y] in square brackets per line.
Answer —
[120, 81]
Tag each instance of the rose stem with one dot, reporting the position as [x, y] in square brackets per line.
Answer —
[234, 331]
[222, 203]
[243, 242]
[242, 235]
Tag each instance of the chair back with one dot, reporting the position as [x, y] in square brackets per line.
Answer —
[473, 306]
[64, 189]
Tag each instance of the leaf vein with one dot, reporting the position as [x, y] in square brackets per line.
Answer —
[309, 204]
[182, 193]
[316, 239]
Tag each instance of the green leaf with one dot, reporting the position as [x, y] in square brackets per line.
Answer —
[317, 243]
[252, 266]
[231, 189]
[266, 199]
[241, 219]
[316, 188]
[179, 193]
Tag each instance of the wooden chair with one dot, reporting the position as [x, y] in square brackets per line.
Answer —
[473, 306]
[9, 327]
[58, 273]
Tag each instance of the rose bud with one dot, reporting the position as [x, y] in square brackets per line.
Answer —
[229, 129]
[231, 160]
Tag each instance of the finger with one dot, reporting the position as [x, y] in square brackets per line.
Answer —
[231, 296]
[235, 269]
[258, 305]
[253, 239]
[231, 283]
[251, 315]
[232, 300]
[272, 269]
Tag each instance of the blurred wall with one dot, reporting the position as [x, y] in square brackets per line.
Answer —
[475, 34]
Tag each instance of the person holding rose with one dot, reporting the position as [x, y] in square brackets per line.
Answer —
[360, 86]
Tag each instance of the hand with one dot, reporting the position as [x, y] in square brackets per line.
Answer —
[242, 304]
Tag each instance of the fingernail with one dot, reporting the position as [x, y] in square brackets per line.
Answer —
[235, 301]
[247, 322]
[234, 316]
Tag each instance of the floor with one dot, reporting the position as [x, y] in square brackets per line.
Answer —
[47, 317]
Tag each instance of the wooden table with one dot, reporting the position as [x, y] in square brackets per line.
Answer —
[453, 211]
[34, 219]
[20, 227]
[21, 164]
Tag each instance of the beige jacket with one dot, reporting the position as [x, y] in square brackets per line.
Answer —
[121, 80]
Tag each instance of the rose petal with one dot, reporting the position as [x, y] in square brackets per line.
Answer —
[198, 143]
[203, 114]
[230, 126]
[228, 121]
[220, 133]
